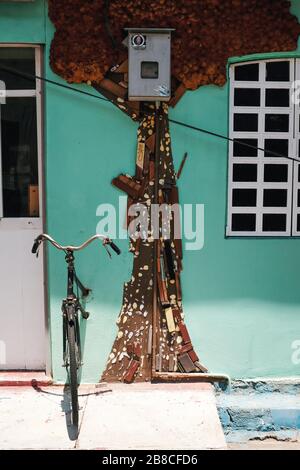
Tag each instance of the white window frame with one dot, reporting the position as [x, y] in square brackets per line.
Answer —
[37, 93]
[296, 183]
[260, 160]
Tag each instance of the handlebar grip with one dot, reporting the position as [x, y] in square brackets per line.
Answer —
[35, 246]
[115, 248]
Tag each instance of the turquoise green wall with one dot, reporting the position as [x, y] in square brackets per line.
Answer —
[241, 296]
[21, 22]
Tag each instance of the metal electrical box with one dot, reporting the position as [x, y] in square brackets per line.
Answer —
[149, 71]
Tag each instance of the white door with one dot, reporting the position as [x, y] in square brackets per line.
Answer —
[22, 310]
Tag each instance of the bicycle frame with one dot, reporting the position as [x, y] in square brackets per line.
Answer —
[71, 305]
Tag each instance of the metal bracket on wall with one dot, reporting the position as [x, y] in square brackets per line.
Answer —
[192, 377]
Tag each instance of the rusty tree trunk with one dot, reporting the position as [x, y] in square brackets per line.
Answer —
[140, 345]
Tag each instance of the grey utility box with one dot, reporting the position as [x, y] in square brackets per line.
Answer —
[149, 72]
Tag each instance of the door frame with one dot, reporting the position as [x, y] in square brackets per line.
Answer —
[40, 108]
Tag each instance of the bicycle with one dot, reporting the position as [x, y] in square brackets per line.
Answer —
[71, 305]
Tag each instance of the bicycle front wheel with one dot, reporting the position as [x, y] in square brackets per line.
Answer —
[73, 368]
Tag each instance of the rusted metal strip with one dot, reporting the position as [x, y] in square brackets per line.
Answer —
[182, 165]
[191, 377]
[186, 362]
[155, 244]
[179, 92]
[131, 371]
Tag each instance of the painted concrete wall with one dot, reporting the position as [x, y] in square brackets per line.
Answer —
[241, 296]
[22, 22]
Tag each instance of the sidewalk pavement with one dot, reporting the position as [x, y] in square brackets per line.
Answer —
[118, 416]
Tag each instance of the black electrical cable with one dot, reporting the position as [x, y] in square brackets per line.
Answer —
[179, 123]
[30, 77]
[229, 139]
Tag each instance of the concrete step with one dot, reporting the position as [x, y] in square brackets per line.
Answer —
[137, 416]
[153, 416]
[24, 379]
[240, 437]
[259, 412]
[286, 442]
[290, 385]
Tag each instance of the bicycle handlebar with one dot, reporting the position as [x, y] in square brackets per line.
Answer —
[35, 247]
[115, 248]
[45, 237]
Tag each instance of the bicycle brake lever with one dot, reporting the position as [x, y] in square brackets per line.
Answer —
[36, 247]
[108, 252]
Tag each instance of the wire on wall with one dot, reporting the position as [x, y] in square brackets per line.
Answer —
[179, 123]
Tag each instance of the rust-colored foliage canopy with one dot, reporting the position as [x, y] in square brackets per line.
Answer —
[208, 32]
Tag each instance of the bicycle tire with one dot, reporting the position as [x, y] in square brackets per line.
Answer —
[73, 367]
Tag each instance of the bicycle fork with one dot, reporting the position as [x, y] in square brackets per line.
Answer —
[70, 308]
[70, 320]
